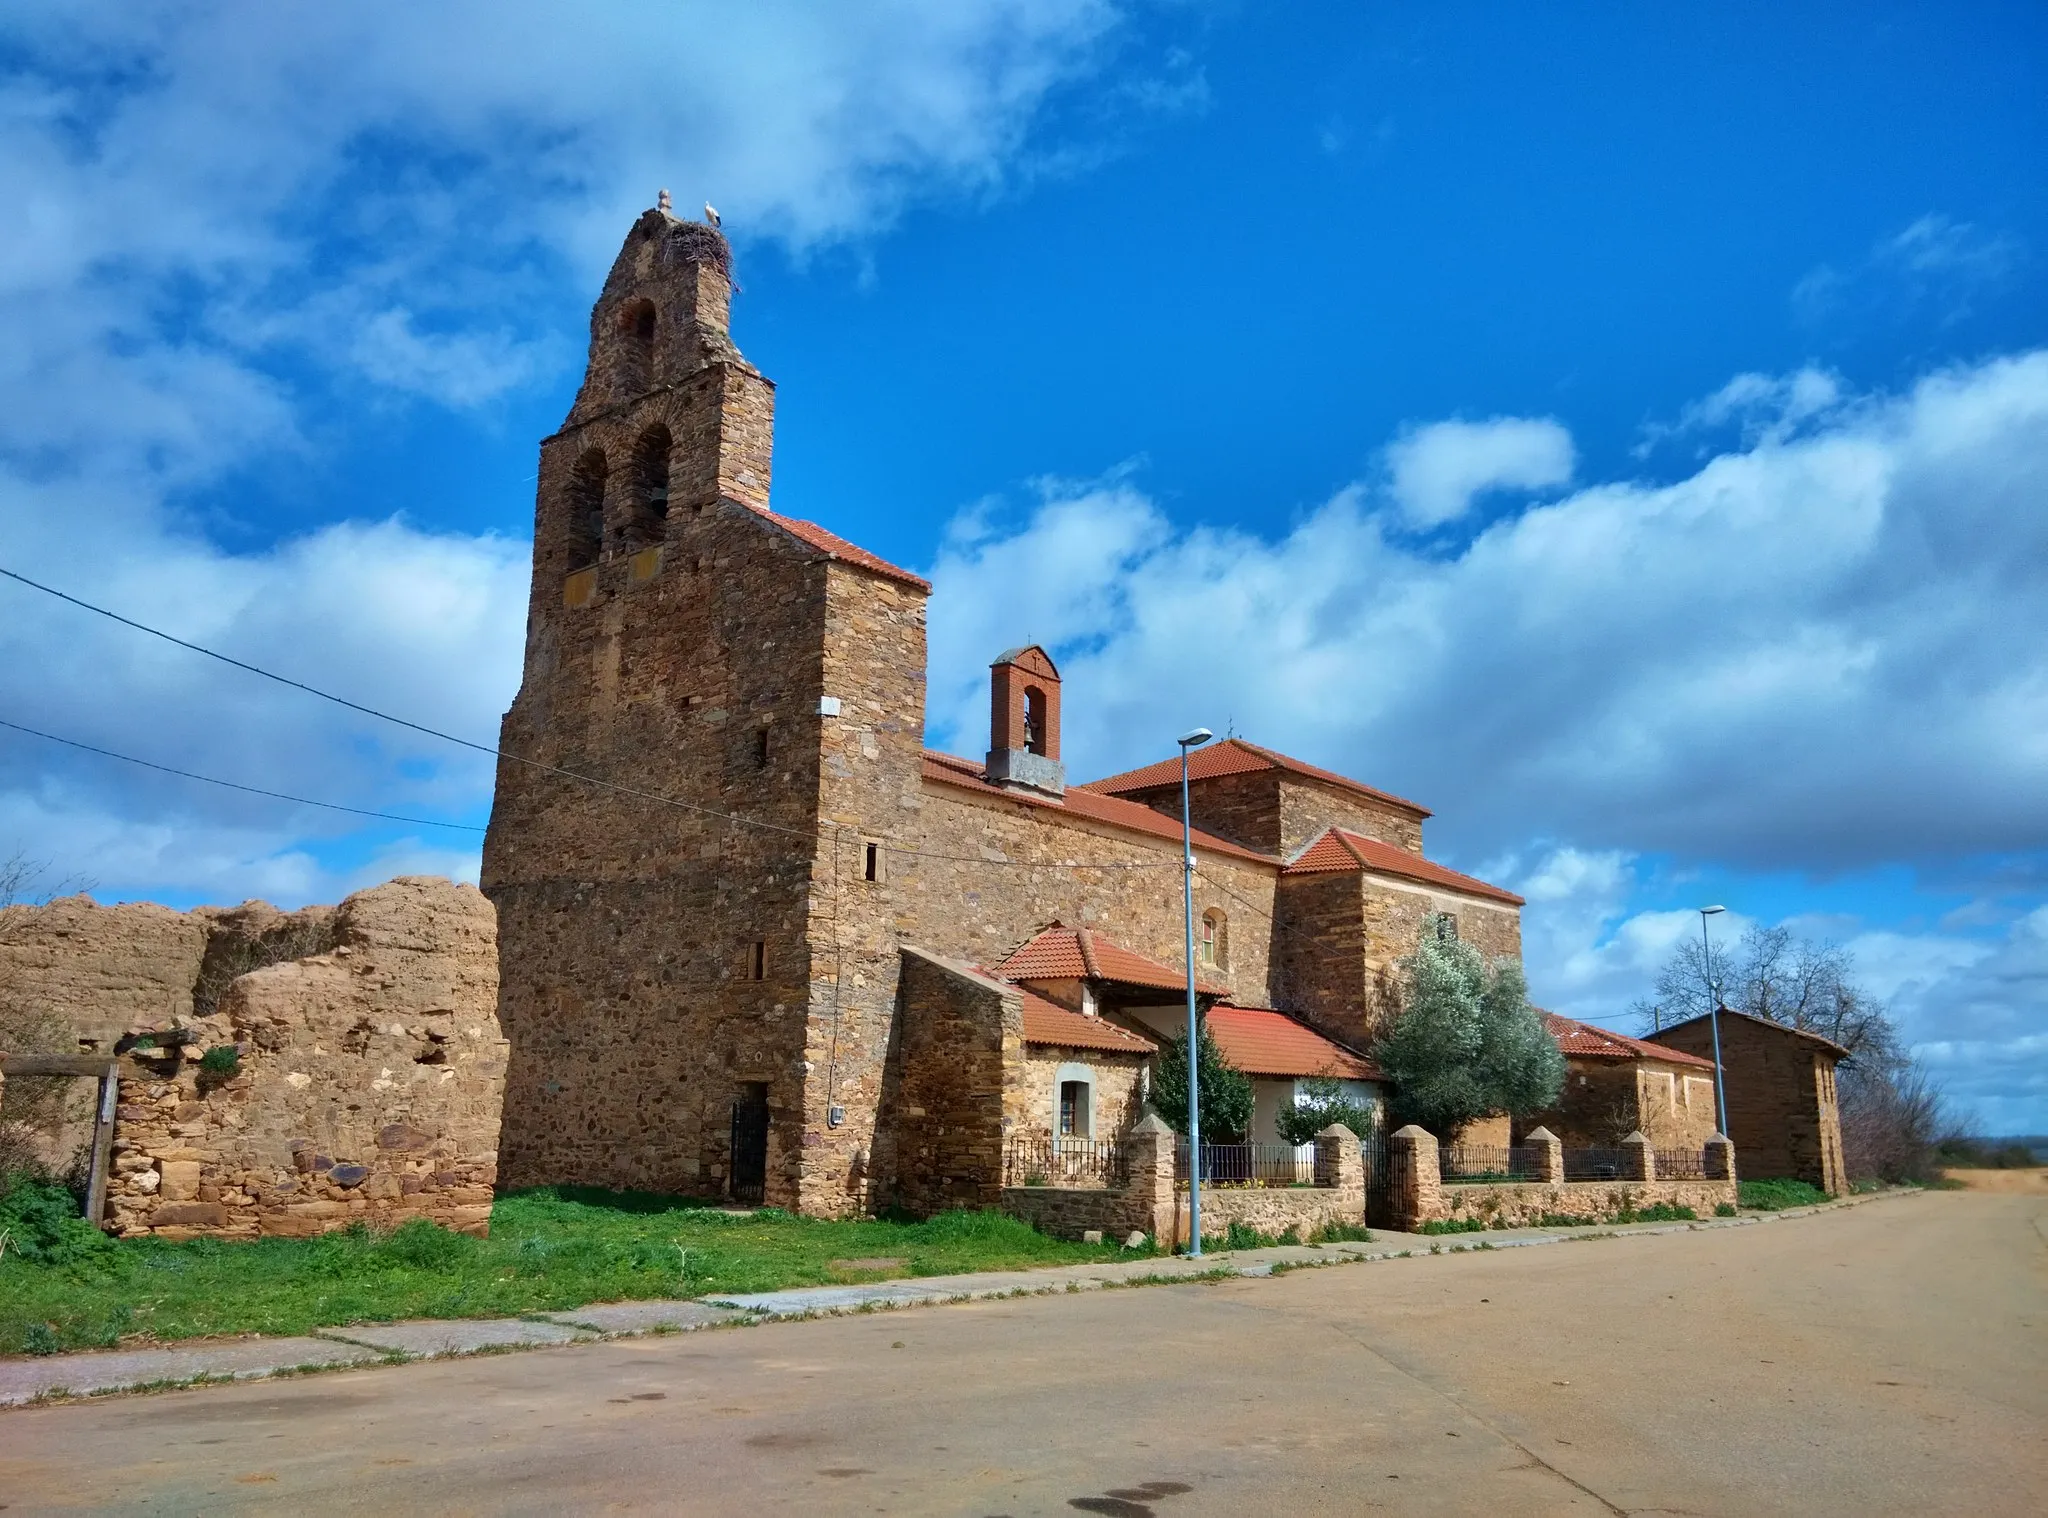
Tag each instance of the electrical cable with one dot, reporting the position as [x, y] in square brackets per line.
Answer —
[234, 785]
[536, 764]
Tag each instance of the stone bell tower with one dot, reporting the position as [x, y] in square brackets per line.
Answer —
[650, 945]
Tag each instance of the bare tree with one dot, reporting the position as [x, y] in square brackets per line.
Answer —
[1785, 979]
[1893, 1114]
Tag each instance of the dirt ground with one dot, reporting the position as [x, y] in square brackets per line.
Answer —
[2021, 1182]
[1886, 1358]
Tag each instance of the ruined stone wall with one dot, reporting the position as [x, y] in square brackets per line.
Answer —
[98, 969]
[367, 1089]
[952, 1088]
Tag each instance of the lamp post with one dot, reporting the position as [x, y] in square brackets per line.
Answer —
[1714, 1014]
[1195, 739]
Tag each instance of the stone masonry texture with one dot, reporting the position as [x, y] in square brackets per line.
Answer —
[1782, 1110]
[750, 882]
[369, 1074]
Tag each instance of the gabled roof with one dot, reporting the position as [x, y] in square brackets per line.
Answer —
[1047, 1022]
[835, 547]
[1082, 805]
[1339, 850]
[1263, 1042]
[1234, 756]
[1580, 1040]
[1064, 953]
[1776, 1027]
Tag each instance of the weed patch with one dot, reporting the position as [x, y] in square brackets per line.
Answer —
[64, 1285]
[1453, 1225]
[1776, 1195]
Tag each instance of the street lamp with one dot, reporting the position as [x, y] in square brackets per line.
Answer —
[1195, 739]
[1713, 1013]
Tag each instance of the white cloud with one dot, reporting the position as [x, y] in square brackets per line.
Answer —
[1936, 264]
[213, 209]
[1820, 652]
[1823, 651]
[1435, 472]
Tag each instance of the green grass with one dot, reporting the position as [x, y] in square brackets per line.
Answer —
[1453, 1225]
[549, 1249]
[1774, 1196]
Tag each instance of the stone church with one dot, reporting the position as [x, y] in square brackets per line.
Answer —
[757, 940]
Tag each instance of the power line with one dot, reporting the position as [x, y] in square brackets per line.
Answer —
[233, 785]
[535, 764]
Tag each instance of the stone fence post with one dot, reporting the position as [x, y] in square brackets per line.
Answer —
[1148, 1188]
[1338, 1162]
[1549, 1156]
[1720, 1158]
[1421, 1198]
[1639, 1159]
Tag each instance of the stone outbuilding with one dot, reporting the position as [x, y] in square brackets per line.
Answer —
[1615, 1085]
[1783, 1113]
[741, 904]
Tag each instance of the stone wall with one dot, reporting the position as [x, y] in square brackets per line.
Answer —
[1143, 1204]
[1320, 957]
[1782, 1107]
[367, 1089]
[1605, 1100]
[951, 1088]
[1281, 813]
[1118, 1081]
[1307, 810]
[1422, 1197]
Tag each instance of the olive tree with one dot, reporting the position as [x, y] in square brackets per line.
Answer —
[1467, 1044]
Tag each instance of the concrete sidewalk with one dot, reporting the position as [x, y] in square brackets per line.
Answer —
[98, 1372]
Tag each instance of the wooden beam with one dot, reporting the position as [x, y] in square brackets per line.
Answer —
[102, 1147]
[57, 1064]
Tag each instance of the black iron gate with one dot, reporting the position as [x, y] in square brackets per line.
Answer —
[1382, 1186]
[750, 1150]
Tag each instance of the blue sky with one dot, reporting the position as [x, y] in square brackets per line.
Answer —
[1624, 429]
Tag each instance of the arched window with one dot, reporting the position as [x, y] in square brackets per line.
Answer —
[650, 488]
[1215, 941]
[1034, 719]
[586, 509]
[636, 347]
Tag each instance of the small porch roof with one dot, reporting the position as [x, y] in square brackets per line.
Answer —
[1047, 1022]
[1262, 1042]
[1064, 953]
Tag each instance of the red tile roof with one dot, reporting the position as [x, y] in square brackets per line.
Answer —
[1584, 1041]
[1777, 1027]
[1339, 849]
[1260, 1042]
[1234, 756]
[1082, 805]
[1049, 1023]
[835, 547]
[1064, 953]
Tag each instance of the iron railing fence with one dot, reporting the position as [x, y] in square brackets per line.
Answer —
[1071, 1162]
[1470, 1164]
[1681, 1164]
[1250, 1164]
[1597, 1165]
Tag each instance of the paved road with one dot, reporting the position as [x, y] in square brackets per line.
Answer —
[1891, 1358]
